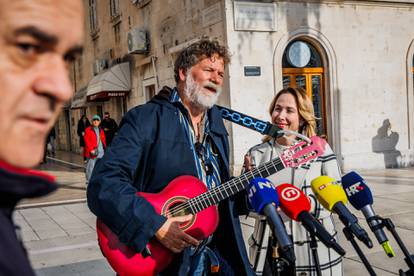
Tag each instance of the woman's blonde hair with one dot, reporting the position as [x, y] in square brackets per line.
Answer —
[307, 125]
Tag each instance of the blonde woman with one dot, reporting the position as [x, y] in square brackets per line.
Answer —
[291, 109]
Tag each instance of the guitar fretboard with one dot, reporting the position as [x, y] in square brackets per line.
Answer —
[235, 185]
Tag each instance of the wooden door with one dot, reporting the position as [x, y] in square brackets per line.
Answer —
[310, 79]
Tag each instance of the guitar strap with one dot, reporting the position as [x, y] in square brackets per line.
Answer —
[265, 128]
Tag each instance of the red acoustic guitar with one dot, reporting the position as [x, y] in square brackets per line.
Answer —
[188, 195]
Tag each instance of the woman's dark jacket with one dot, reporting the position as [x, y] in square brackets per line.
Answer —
[81, 129]
[150, 150]
[16, 184]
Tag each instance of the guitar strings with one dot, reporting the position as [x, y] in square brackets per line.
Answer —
[198, 200]
[233, 184]
[223, 188]
[230, 184]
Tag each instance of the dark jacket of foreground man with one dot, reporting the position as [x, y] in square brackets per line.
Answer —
[15, 185]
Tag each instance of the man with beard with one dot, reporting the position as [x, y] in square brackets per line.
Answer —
[36, 49]
[179, 132]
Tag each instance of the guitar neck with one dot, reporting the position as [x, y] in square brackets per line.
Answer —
[235, 185]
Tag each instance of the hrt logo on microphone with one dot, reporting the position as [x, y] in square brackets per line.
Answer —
[354, 189]
[290, 193]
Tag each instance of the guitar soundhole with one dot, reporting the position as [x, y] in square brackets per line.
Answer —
[177, 210]
[176, 207]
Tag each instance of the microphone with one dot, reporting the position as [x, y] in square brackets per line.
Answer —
[264, 199]
[332, 196]
[360, 197]
[296, 205]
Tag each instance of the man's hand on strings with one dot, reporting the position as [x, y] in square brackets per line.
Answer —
[172, 237]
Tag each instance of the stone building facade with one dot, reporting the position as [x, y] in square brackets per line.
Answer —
[355, 59]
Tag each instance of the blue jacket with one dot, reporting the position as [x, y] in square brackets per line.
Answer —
[150, 150]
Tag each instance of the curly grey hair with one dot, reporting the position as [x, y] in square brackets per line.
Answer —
[205, 48]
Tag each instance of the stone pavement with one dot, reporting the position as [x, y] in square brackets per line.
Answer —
[61, 239]
[59, 230]
[68, 169]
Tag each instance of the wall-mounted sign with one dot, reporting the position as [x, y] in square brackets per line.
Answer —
[255, 16]
[105, 96]
[252, 71]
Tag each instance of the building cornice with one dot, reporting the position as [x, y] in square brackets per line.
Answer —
[382, 3]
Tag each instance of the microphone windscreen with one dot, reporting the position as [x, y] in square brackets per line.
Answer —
[292, 200]
[358, 192]
[262, 192]
[328, 191]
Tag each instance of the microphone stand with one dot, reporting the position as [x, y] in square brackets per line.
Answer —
[409, 259]
[350, 237]
[314, 249]
[281, 266]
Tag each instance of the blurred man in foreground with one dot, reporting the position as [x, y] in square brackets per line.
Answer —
[36, 47]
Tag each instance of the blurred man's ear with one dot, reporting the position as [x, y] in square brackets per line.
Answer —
[182, 74]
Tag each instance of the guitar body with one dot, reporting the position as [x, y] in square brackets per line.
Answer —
[127, 262]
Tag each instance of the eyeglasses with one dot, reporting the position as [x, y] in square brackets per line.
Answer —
[202, 153]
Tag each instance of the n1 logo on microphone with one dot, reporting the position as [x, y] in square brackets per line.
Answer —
[354, 189]
[290, 193]
[260, 183]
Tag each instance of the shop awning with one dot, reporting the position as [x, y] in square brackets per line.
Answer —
[114, 82]
[79, 100]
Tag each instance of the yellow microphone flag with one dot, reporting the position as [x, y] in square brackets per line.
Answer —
[328, 191]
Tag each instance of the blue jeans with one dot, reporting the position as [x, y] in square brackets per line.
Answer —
[90, 164]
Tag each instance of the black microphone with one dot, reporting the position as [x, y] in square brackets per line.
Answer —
[360, 197]
[333, 198]
[264, 199]
[296, 206]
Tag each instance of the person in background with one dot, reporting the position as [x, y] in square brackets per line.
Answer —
[50, 148]
[51, 139]
[83, 123]
[178, 132]
[110, 127]
[291, 109]
[95, 144]
[36, 49]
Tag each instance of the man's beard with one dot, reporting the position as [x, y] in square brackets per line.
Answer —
[197, 95]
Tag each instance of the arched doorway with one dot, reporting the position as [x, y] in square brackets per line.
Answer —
[302, 67]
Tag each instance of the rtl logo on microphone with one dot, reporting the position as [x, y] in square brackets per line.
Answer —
[290, 193]
[323, 186]
[354, 189]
